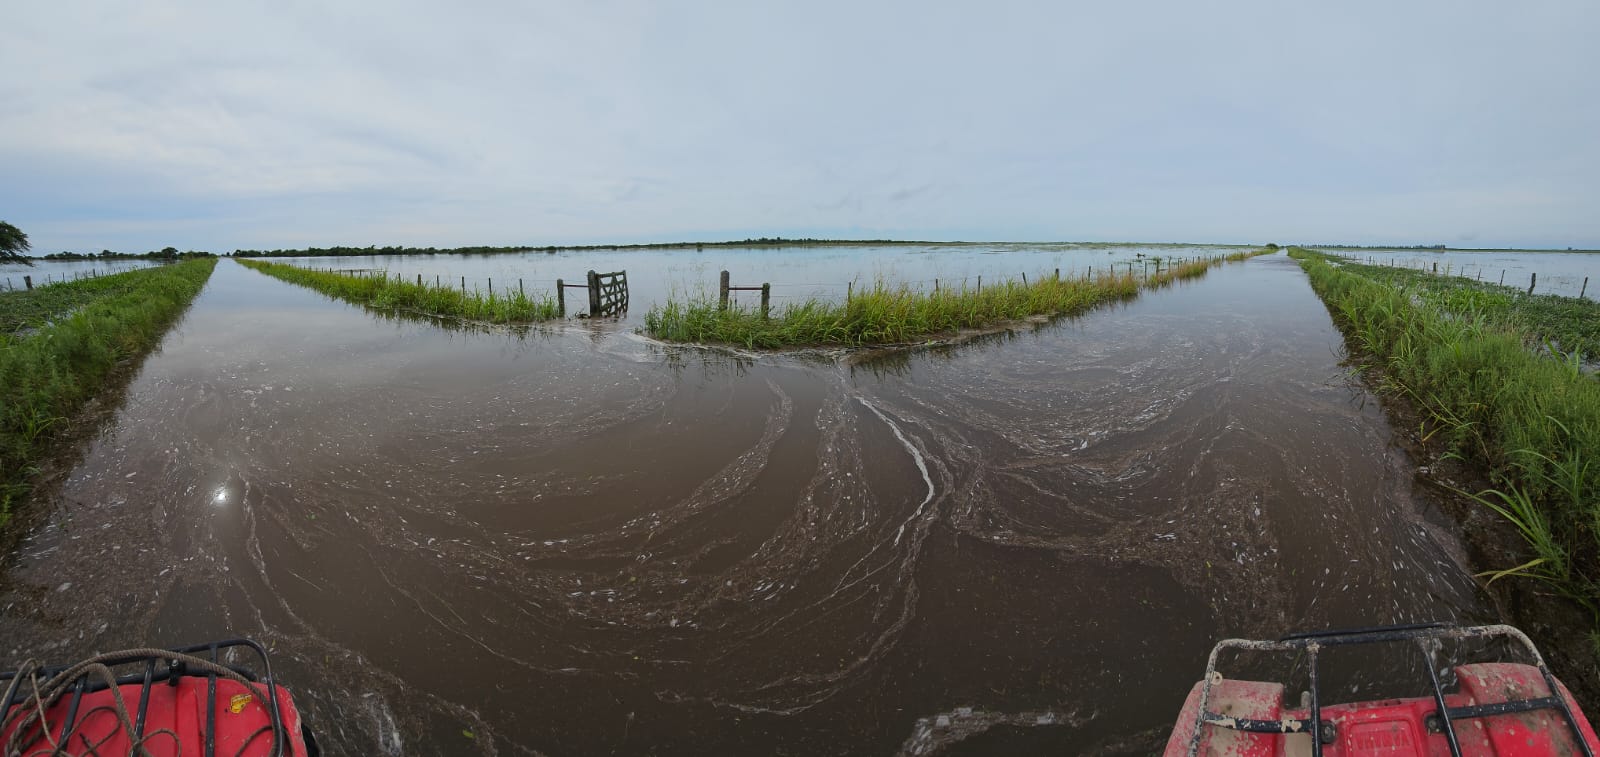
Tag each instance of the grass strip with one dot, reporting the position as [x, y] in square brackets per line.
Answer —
[1567, 325]
[887, 313]
[382, 292]
[74, 335]
[1532, 422]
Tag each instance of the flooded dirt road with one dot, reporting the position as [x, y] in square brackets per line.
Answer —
[575, 541]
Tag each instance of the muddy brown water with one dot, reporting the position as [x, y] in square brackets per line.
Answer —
[576, 541]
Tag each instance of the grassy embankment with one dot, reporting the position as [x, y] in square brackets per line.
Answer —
[1565, 325]
[894, 314]
[59, 344]
[1473, 362]
[382, 292]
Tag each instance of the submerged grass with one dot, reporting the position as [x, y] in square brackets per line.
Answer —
[887, 313]
[1532, 422]
[382, 292]
[62, 343]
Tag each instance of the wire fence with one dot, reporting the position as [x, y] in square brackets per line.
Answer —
[26, 281]
[1555, 285]
[787, 291]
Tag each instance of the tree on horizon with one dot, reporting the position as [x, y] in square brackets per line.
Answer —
[12, 244]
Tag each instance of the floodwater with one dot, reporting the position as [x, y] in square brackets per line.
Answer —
[45, 272]
[573, 540]
[1565, 273]
[795, 273]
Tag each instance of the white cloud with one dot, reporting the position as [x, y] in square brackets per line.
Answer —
[212, 125]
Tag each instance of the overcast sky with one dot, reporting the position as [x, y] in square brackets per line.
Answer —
[205, 125]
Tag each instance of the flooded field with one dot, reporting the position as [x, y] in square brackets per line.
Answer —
[50, 271]
[1558, 272]
[796, 273]
[576, 541]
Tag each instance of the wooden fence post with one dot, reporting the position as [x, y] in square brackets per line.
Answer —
[722, 291]
[419, 279]
[1585, 287]
[29, 281]
[594, 294]
[849, 289]
[766, 299]
[463, 284]
[561, 297]
[1534, 279]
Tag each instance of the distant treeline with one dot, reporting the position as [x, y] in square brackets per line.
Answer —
[169, 253]
[480, 250]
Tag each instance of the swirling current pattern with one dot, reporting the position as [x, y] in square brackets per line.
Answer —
[574, 541]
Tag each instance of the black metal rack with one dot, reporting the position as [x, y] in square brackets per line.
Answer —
[152, 667]
[1427, 638]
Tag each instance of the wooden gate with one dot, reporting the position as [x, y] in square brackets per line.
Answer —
[608, 293]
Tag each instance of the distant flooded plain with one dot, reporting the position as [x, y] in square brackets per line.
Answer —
[1562, 273]
[50, 271]
[573, 540]
[795, 273]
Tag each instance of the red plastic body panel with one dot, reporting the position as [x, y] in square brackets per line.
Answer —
[1394, 727]
[180, 709]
